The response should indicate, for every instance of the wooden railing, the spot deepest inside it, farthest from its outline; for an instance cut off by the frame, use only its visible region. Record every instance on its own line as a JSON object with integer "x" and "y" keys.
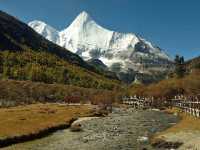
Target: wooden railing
{"x": 191, "y": 107}
{"x": 188, "y": 105}
{"x": 138, "y": 102}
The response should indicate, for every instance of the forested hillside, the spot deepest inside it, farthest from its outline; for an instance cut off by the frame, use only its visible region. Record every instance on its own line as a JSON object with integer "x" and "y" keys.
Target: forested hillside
{"x": 48, "y": 68}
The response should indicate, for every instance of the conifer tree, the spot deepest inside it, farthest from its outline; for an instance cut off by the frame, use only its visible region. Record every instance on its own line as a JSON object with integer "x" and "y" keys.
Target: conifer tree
{"x": 1, "y": 64}
{"x": 179, "y": 66}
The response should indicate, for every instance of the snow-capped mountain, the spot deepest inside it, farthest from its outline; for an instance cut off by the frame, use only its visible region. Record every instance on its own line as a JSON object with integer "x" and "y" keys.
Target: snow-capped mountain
{"x": 119, "y": 51}
{"x": 47, "y": 31}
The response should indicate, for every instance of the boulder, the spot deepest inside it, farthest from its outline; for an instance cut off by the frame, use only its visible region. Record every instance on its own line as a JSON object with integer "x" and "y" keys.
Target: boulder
{"x": 76, "y": 127}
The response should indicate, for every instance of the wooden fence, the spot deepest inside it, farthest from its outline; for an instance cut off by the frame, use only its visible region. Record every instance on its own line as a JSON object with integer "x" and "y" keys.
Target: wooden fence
{"x": 190, "y": 105}
{"x": 138, "y": 102}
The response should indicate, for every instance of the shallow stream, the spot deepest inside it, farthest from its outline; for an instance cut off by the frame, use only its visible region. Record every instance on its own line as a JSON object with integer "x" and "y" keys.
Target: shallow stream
{"x": 124, "y": 129}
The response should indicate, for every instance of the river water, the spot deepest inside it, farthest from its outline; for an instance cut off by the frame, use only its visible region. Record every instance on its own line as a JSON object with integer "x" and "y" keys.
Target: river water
{"x": 124, "y": 129}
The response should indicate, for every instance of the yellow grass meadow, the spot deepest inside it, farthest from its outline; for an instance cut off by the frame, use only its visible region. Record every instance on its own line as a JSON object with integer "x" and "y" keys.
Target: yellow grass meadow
{"x": 31, "y": 119}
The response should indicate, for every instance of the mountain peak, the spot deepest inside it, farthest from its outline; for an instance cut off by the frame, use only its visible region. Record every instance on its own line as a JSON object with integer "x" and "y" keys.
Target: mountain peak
{"x": 124, "y": 50}
{"x": 82, "y": 18}
{"x": 84, "y": 14}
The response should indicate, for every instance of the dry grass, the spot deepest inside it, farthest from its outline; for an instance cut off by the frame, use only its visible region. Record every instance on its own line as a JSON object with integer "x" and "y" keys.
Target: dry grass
{"x": 32, "y": 119}
{"x": 187, "y": 123}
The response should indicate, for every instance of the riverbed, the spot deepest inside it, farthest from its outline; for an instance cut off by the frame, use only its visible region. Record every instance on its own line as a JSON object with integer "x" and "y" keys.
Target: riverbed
{"x": 124, "y": 129}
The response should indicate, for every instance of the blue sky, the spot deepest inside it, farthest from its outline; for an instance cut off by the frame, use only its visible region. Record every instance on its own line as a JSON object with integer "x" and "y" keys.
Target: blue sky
{"x": 173, "y": 25}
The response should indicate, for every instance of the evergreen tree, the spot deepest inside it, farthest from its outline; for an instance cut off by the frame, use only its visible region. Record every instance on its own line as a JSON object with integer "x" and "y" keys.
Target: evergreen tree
{"x": 36, "y": 73}
{"x": 1, "y": 64}
{"x": 65, "y": 76}
{"x": 180, "y": 66}
{"x": 49, "y": 75}
{"x": 6, "y": 72}
{"x": 21, "y": 74}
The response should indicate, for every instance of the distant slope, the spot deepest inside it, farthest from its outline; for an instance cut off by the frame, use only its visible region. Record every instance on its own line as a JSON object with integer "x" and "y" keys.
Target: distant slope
{"x": 16, "y": 35}
{"x": 189, "y": 85}
{"x": 193, "y": 63}
{"x": 99, "y": 65}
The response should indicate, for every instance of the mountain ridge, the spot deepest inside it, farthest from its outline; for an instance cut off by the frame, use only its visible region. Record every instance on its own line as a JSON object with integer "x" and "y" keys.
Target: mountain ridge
{"x": 88, "y": 39}
{"x": 124, "y": 50}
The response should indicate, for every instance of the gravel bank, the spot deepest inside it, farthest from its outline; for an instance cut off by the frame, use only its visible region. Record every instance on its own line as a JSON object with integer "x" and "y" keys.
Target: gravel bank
{"x": 124, "y": 129}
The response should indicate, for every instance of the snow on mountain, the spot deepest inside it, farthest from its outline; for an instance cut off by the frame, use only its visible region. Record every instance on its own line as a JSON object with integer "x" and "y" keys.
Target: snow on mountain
{"x": 45, "y": 30}
{"x": 119, "y": 51}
